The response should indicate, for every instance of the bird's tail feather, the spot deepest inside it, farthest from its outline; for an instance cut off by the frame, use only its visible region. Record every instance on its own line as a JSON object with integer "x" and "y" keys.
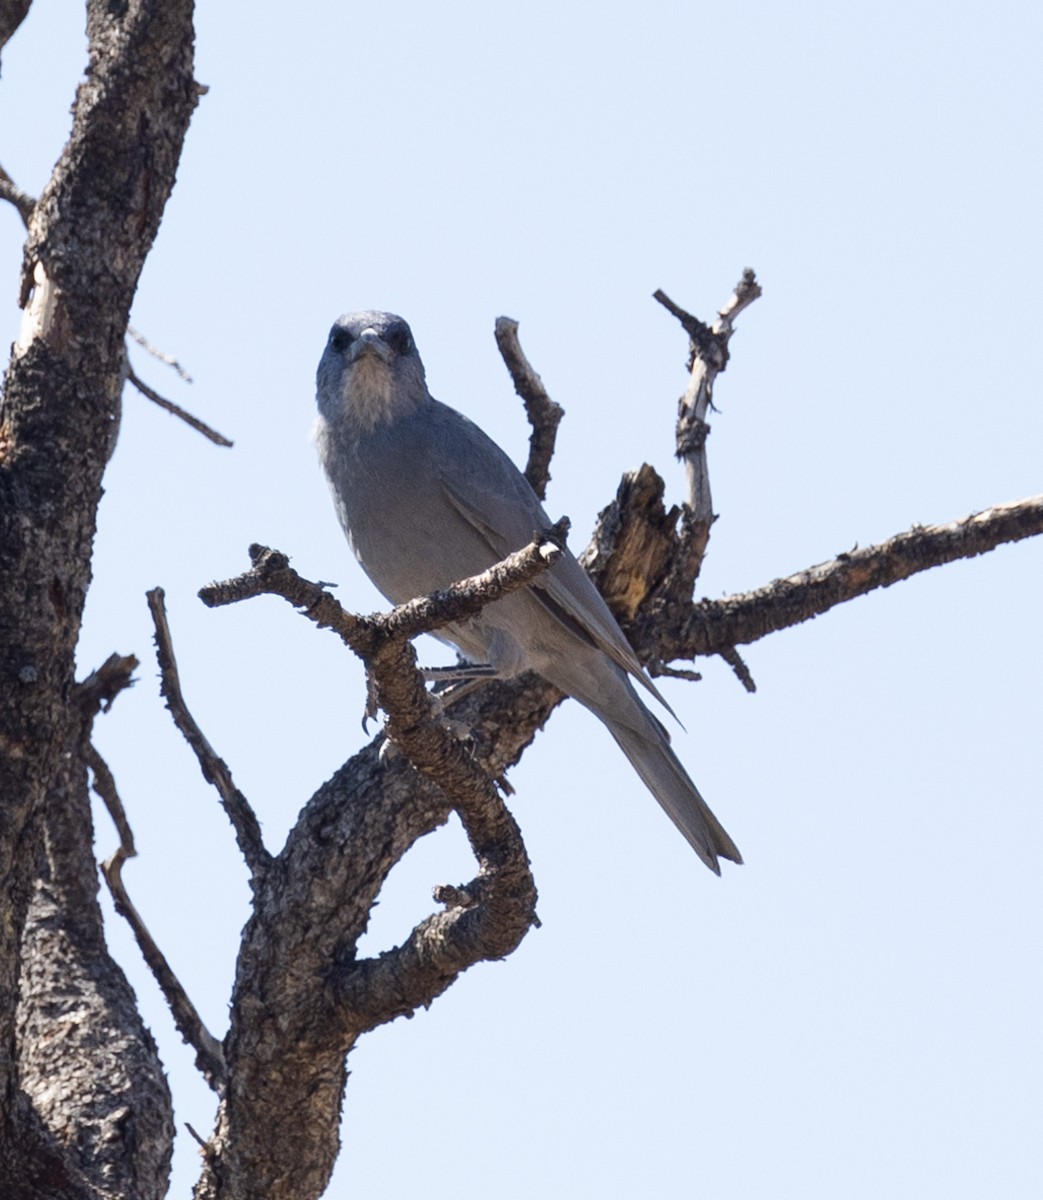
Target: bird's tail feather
{"x": 663, "y": 775}
{"x": 647, "y": 745}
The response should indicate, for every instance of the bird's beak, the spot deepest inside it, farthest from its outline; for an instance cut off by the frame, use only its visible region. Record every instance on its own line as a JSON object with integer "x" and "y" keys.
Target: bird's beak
{"x": 370, "y": 342}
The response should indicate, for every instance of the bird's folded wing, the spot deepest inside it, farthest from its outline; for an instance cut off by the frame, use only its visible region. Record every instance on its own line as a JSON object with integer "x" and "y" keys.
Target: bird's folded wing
{"x": 506, "y": 519}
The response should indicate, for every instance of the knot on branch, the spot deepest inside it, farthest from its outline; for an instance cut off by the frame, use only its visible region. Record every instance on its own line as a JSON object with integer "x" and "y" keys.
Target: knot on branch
{"x": 102, "y": 686}
{"x": 634, "y": 543}
{"x": 691, "y": 436}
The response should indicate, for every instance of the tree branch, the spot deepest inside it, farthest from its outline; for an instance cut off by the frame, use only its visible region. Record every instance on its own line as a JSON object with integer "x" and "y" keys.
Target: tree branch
{"x": 11, "y": 192}
{"x": 215, "y": 770}
{"x": 200, "y": 426}
{"x": 314, "y": 905}
{"x": 209, "y": 1057}
{"x": 714, "y": 626}
{"x": 271, "y": 574}
{"x": 543, "y": 413}
{"x": 708, "y": 357}
{"x": 167, "y": 359}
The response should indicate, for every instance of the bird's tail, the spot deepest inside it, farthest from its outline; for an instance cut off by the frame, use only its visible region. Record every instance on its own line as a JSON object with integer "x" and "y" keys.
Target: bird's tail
{"x": 647, "y": 745}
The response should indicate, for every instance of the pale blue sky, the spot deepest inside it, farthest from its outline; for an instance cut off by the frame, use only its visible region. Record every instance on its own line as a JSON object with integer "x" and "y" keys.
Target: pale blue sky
{"x": 855, "y": 1012}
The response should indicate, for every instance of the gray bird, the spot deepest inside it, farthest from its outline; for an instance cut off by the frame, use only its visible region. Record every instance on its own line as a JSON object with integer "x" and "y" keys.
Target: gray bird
{"x": 426, "y": 499}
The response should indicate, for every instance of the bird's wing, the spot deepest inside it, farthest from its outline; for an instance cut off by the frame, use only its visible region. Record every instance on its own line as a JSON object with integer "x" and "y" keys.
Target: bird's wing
{"x": 492, "y": 495}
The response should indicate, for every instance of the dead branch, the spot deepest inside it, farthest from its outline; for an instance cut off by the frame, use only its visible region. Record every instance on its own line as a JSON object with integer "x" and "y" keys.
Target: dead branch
{"x": 167, "y": 359}
{"x": 543, "y": 413}
{"x": 10, "y": 191}
{"x": 500, "y": 901}
{"x": 209, "y": 1056}
{"x": 712, "y": 626}
{"x": 102, "y": 686}
{"x": 742, "y": 672}
{"x": 215, "y": 770}
{"x": 708, "y": 357}
{"x": 313, "y": 906}
{"x": 272, "y": 574}
{"x": 201, "y": 426}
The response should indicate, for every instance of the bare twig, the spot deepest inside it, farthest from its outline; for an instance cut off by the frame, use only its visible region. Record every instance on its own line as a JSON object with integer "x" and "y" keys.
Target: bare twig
{"x": 713, "y": 626}
{"x": 105, "y": 787}
{"x": 215, "y": 770}
{"x": 708, "y": 357}
{"x": 206, "y": 1149}
{"x": 272, "y": 574}
{"x": 663, "y": 670}
{"x": 22, "y": 201}
{"x": 543, "y": 413}
{"x": 209, "y": 1055}
{"x": 167, "y": 359}
{"x": 218, "y": 438}
{"x": 742, "y": 672}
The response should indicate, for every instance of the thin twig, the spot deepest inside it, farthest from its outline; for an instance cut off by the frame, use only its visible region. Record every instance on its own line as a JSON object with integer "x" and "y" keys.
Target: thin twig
{"x": 167, "y": 359}
{"x": 10, "y": 191}
{"x": 218, "y": 438}
{"x": 699, "y": 332}
{"x": 708, "y": 357}
{"x": 209, "y": 1055}
{"x": 544, "y": 413}
{"x": 664, "y": 670}
{"x": 105, "y": 787}
{"x": 215, "y": 770}
{"x": 207, "y": 1149}
{"x": 742, "y": 672}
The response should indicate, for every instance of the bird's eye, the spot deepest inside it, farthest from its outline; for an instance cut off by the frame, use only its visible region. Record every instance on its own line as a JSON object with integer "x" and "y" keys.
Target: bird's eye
{"x": 340, "y": 339}
{"x": 400, "y": 341}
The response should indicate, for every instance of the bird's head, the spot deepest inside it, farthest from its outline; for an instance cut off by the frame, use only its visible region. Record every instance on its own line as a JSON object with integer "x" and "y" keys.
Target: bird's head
{"x": 370, "y": 371}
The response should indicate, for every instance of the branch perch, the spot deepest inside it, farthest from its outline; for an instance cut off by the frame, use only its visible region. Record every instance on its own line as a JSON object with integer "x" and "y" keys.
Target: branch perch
{"x": 487, "y": 917}
{"x": 272, "y": 574}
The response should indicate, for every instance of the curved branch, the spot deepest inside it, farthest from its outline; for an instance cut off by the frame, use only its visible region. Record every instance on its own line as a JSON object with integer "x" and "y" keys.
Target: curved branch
{"x": 299, "y": 949}
{"x": 543, "y": 413}
{"x": 271, "y": 574}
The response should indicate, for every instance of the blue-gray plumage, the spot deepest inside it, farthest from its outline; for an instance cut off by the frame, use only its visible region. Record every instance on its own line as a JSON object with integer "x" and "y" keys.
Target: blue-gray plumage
{"x": 426, "y": 499}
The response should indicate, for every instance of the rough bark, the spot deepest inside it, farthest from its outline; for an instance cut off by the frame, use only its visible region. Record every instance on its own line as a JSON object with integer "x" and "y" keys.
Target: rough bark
{"x": 86, "y": 1110}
